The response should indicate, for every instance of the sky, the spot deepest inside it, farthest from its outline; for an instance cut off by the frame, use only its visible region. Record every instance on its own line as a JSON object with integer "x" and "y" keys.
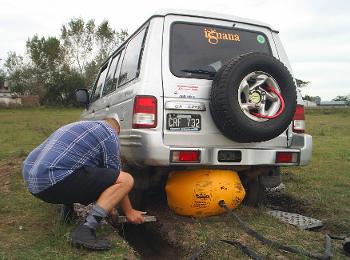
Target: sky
{"x": 314, "y": 33}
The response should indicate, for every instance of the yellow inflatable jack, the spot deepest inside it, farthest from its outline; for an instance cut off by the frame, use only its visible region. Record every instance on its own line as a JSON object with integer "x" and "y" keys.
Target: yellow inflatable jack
{"x": 197, "y": 192}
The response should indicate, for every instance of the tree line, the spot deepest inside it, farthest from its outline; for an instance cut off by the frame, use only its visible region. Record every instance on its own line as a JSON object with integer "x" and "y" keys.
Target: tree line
{"x": 54, "y": 67}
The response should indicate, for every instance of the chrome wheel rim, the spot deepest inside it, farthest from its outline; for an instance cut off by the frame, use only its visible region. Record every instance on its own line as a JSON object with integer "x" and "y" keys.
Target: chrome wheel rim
{"x": 253, "y": 97}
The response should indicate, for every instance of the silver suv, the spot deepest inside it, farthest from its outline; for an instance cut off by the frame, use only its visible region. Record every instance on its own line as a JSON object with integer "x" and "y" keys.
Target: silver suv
{"x": 202, "y": 90}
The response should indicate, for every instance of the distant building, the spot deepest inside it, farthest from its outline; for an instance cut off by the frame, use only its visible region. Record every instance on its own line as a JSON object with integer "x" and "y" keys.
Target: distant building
{"x": 333, "y": 103}
{"x": 319, "y": 102}
{"x": 5, "y": 92}
{"x": 308, "y": 103}
{"x": 10, "y": 99}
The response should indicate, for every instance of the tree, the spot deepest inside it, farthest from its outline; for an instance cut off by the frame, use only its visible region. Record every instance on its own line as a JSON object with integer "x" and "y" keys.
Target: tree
{"x": 91, "y": 71}
{"x": 46, "y": 54}
{"x": 309, "y": 98}
{"x": 301, "y": 83}
{"x": 343, "y": 98}
{"x": 54, "y": 67}
{"x": 13, "y": 62}
{"x": 78, "y": 42}
{"x": 46, "y": 60}
{"x": 87, "y": 45}
{"x": 2, "y": 77}
{"x": 20, "y": 75}
{"x": 61, "y": 90}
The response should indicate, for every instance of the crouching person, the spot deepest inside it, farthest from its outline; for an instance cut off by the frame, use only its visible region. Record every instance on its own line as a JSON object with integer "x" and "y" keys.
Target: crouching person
{"x": 80, "y": 163}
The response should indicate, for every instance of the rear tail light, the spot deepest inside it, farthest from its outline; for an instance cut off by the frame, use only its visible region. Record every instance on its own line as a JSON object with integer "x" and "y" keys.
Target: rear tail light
{"x": 185, "y": 156}
{"x": 299, "y": 120}
{"x": 286, "y": 157}
{"x": 145, "y": 112}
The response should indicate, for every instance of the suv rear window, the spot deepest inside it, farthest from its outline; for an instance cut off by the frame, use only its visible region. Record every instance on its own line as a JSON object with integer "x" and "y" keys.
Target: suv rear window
{"x": 199, "y": 51}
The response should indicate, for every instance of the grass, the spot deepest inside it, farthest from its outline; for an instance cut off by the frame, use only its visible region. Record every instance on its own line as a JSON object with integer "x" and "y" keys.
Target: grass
{"x": 325, "y": 182}
{"x": 22, "y": 129}
{"x": 320, "y": 190}
{"x": 29, "y": 228}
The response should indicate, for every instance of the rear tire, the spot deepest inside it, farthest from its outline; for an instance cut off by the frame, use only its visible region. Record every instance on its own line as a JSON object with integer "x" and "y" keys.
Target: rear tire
{"x": 255, "y": 193}
{"x": 137, "y": 193}
{"x": 240, "y": 92}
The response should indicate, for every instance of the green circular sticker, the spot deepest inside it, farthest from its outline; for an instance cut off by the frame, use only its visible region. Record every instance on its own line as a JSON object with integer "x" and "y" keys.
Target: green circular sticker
{"x": 260, "y": 39}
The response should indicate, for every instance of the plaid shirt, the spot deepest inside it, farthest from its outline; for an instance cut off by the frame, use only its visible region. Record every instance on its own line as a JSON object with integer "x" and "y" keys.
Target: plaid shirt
{"x": 84, "y": 143}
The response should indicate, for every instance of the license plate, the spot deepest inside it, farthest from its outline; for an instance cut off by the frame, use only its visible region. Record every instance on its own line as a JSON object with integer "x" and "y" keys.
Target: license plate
{"x": 183, "y": 122}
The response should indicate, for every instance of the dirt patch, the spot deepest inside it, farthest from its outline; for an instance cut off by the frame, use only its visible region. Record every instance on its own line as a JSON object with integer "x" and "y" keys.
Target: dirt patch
{"x": 144, "y": 239}
{"x": 148, "y": 243}
{"x": 6, "y": 170}
{"x": 178, "y": 237}
{"x": 286, "y": 202}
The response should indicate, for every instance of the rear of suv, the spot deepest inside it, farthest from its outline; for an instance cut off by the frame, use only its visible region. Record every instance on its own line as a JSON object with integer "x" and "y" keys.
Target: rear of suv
{"x": 202, "y": 90}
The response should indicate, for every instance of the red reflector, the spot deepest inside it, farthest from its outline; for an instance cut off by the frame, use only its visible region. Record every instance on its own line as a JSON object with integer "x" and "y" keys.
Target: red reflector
{"x": 186, "y": 156}
{"x": 299, "y": 120}
{"x": 286, "y": 157}
{"x": 145, "y": 112}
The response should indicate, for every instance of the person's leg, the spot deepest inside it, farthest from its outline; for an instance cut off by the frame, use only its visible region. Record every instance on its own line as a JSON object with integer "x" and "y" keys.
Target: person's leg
{"x": 109, "y": 199}
{"x": 114, "y": 194}
{"x": 85, "y": 235}
{"x": 87, "y": 185}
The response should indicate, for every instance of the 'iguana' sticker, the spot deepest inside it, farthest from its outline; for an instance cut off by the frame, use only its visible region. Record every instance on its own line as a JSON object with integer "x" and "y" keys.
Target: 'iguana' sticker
{"x": 213, "y": 36}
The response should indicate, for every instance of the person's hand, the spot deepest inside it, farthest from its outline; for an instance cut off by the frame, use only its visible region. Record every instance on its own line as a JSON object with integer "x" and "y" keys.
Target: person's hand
{"x": 135, "y": 216}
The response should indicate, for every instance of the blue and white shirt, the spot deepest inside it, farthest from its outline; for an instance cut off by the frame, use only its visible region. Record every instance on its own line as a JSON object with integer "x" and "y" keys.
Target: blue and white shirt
{"x": 84, "y": 143}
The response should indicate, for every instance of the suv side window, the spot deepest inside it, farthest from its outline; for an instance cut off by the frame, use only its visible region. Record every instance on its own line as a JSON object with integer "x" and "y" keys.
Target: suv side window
{"x": 110, "y": 80}
{"x": 99, "y": 83}
{"x": 132, "y": 58}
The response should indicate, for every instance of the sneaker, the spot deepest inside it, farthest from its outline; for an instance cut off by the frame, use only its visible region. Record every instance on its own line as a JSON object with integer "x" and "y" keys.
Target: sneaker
{"x": 67, "y": 214}
{"x": 85, "y": 237}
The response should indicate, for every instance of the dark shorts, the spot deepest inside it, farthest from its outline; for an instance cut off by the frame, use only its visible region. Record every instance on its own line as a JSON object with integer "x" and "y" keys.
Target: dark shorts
{"x": 83, "y": 186}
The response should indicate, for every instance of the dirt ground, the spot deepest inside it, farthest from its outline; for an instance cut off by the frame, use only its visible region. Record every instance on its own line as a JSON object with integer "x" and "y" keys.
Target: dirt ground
{"x": 6, "y": 169}
{"x": 178, "y": 237}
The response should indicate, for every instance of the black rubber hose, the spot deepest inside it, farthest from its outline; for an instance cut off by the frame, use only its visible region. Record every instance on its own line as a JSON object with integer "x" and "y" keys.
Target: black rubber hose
{"x": 251, "y": 253}
{"x": 346, "y": 246}
{"x": 272, "y": 243}
{"x": 327, "y": 247}
{"x": 203, "y": 249}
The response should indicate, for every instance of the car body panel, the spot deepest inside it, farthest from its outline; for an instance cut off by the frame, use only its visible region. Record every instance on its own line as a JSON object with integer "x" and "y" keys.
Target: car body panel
{"x": 152, "y": 147}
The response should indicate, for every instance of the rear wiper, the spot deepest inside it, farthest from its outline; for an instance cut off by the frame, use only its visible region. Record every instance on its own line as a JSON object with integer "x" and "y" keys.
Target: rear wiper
{"x": 200, "y": 71}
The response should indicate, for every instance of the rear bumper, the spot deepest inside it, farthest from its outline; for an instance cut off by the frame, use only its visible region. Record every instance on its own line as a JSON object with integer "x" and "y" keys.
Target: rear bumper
{"x": 147, "y": 148}
{"x": 304, "y": 144}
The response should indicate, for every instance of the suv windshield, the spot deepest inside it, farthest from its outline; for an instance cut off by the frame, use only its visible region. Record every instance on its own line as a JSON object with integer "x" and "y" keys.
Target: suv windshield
{"x": 199, "y": 51}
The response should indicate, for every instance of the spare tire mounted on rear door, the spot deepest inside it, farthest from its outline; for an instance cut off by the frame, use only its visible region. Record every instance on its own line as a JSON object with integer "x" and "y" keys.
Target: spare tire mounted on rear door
{"x": 253, "y": 98}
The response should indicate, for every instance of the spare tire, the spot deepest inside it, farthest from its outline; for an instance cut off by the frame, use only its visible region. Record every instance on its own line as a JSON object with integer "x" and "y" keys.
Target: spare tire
{"x": 253, "y": 98}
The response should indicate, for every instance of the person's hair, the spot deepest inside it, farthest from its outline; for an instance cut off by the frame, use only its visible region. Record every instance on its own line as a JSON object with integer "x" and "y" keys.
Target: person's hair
{"x": 112, "y": 122}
